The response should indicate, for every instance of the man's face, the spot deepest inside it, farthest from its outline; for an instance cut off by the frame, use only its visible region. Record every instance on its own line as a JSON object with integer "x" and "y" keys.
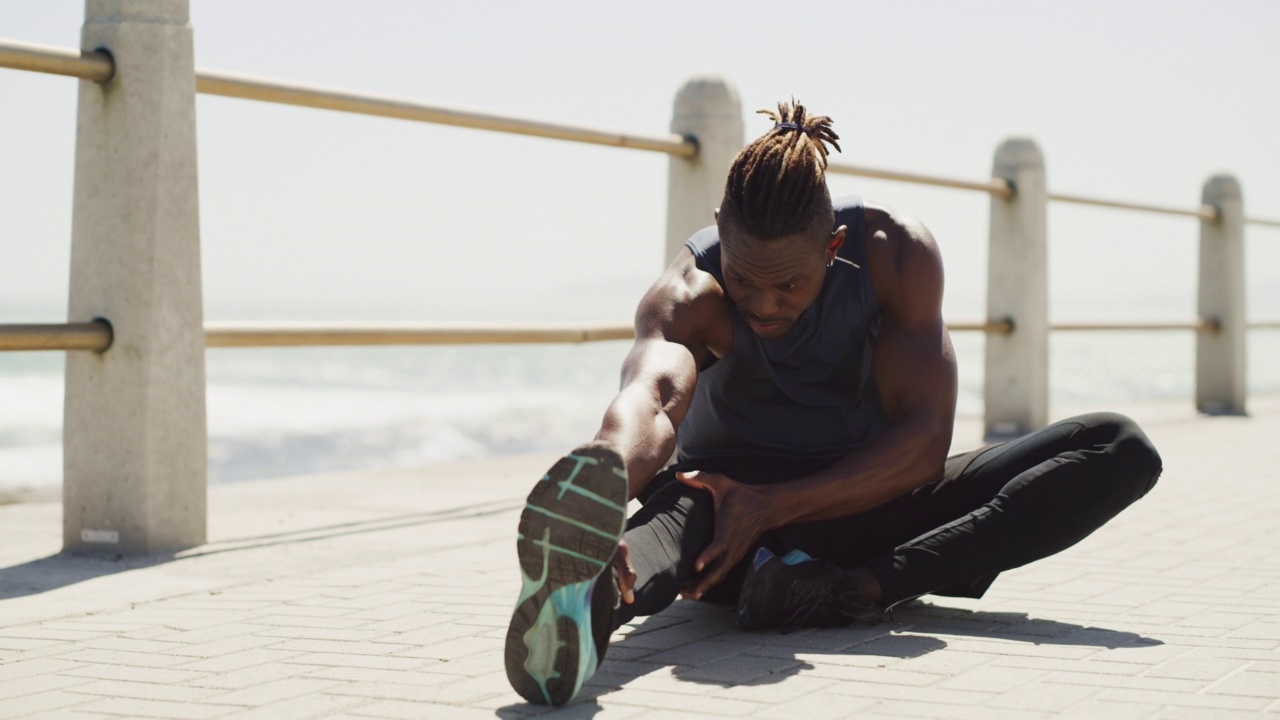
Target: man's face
{"x": 772, "y": 282}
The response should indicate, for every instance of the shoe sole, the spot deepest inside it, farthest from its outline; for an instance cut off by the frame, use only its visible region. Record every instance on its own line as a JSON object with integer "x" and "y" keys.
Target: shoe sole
{"x": 569, "y": 532}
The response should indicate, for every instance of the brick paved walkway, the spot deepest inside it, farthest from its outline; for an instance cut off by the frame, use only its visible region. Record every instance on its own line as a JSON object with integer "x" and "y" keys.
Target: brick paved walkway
{"x": 387, "y": 595}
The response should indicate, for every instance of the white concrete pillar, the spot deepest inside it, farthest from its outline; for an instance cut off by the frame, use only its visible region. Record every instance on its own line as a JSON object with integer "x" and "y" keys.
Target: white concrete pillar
{"x": 708, "y": 110}
{"x": 1017, "y": 365}
{"x": 135, "y": 436}
{"x": 1220, "y": 357}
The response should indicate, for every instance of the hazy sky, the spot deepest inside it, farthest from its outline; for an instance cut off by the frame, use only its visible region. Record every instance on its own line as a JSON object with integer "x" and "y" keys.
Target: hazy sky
{"x": 310, "y": 214}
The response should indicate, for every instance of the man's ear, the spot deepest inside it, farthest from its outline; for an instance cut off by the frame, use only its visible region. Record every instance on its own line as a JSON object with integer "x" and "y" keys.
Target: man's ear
{"x": 836, "y": 241}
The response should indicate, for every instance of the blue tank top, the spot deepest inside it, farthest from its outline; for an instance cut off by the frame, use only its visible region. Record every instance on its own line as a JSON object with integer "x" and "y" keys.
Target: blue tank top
{"x": 807, "y": 394}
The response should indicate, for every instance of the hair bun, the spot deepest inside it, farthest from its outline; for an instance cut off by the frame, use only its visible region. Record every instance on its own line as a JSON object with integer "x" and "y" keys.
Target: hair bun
{"x": 817, "y": 128}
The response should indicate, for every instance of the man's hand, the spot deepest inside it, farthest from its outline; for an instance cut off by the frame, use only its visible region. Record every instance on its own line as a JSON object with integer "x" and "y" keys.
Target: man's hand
{"x": 624, "y": 573}
{"x": 742, "y": 515}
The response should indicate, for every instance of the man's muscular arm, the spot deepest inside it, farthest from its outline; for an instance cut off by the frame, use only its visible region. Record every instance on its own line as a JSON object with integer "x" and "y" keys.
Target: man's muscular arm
{"x": 915, "y": 373}
{"x": 659, "y": 374}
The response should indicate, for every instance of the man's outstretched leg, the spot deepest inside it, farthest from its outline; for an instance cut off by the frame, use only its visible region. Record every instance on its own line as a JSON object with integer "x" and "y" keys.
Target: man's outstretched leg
{"x": 569, "y": 532}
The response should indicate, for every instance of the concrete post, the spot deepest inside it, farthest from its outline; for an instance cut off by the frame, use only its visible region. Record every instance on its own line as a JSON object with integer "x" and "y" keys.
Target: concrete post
{"x": 1017, "y": 365}
{"x": 708, "y": 110}
{"x": 1220, "y": 357}
{"x": 135, "y": 435}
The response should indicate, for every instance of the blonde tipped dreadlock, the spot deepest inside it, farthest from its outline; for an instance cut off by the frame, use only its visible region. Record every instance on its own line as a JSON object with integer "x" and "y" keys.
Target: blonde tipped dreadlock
{"x": 777, "y": 185}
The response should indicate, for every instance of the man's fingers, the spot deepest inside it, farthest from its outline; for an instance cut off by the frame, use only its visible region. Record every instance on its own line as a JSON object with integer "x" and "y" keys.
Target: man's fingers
{"x": 714, "y": 574}
{"x": 625, "y": 573}
{"x": 727, "y": 558}
{"x": 711, "y": 553}
{"x": 693, "y": 479}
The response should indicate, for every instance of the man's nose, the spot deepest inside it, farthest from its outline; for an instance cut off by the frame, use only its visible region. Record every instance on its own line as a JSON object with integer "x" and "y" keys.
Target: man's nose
{"x": 761, "y": 304}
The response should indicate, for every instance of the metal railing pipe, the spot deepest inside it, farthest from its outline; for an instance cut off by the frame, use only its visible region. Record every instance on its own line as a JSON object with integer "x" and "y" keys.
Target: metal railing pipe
{"x": 83, "y": 64}
{"x": 215, "y": 82}
{"x": 94, "y": 336}
{"x": 991, "y": 327}
{"x": 97, "y": 336}
{"x": 242, "y": 335}
{"x": 1204, "y": 212}
{"x": 995, "y": 186}
{"x": 1202, "y": 325}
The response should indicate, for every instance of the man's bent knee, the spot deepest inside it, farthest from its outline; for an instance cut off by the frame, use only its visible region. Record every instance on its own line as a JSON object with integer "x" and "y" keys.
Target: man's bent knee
{"x": 1138, "y": 462}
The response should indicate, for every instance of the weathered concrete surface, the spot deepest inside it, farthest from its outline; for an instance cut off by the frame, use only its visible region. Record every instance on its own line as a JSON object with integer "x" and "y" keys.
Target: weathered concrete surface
{"x": 134, "y": 436}
{"x": 1016, "y": 389}
{"x": 387, "y": 595}
{"x": 1221, "y": 378}
{"x": 706, "y": 108}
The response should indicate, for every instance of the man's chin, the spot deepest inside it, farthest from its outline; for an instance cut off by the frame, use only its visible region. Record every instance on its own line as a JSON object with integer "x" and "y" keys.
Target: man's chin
{"x": 769, "y": 331}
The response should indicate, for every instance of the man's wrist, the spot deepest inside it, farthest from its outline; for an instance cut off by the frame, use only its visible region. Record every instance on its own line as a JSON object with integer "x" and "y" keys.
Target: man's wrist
{"x": 776, "y": 515}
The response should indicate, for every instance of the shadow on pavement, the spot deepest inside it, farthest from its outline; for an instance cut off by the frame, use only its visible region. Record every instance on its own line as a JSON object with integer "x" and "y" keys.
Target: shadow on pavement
{"x": 699, "y": 644}
{"x": 63, "y": 569}
{"x": 56, "y": 571}
{"x": 574, "y": 711}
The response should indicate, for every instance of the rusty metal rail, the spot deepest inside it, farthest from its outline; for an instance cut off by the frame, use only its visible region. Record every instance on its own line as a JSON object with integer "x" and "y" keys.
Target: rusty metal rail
{"x": 97, "y": 66}
{"x": 97, "y": 336}
{"x": 241, "y": 335}
{"x": 93, "y": 336}
{"x": 998, "y": 187}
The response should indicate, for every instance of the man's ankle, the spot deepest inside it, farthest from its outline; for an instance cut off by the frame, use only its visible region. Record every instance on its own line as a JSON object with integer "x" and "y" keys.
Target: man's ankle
{"x": 859, "y": 591}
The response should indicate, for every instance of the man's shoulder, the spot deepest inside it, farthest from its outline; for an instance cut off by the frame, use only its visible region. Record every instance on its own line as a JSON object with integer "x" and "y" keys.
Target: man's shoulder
{"x": 687, "y": 288}
{"x": 901, "y": 252}
{"x": 896, "y": 238}
{"x": 687, "y": 306}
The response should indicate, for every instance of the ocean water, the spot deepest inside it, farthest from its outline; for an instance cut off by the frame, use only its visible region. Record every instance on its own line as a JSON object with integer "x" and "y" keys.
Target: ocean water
{"x": 296, "y": 411}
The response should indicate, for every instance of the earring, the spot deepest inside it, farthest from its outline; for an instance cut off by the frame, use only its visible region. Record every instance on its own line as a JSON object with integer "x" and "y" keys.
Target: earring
{"x": 831, "y": 262}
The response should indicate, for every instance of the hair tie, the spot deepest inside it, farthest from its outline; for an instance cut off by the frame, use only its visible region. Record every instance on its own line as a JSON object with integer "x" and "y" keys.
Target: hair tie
{"x": 793, "y": 126}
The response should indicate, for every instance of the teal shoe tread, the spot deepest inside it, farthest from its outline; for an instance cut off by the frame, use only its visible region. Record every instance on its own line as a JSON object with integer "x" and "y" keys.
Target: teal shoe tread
{"x": 568, "y": 534}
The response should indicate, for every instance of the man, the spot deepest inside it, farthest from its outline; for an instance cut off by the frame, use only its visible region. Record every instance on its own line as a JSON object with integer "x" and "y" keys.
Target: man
{"x": 795, "y": 360}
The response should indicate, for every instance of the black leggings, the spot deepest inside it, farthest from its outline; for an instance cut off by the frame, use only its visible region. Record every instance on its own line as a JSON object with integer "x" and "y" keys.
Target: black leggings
{"x": 992, "y": 510}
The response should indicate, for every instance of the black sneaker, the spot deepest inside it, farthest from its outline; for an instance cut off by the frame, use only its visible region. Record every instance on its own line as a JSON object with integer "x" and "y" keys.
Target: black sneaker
{"x": 796, "y": 591}
{"x": 569, "y": 532}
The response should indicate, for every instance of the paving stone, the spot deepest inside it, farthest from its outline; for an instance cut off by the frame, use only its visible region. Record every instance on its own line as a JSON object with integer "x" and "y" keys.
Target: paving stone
{"x": 418, "y": 711}
{"x": 306, "y": 706}
{"x": 738, "y": 669}
{"x": 1171, "y": 611}
{"x": 689, "y": 704}
{"x": 910, "y": 709}
{"x": 235, "y": 660}
{"x": 18, "y": 644}
{"x": 872, "y": 674}
{"x": 1193, "y": 700}
{"x": 122, "y": 657}
{"x": 14, "y": 671}
{"x": 273, "y": 691}
{"x": 43, "y": 704}
{"x": 1044, "y": 696}
{"x": 1256, "y": 684}
{"x": 1109, "y": 710}
{"x": 945, "y": 696}
{"x": 1196, "y": 668}
{"x": 155, "y": 709}
{"x": 123, "y": 688}
{"x": 818, "y": 706}
{"x": 991, "y": 679}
